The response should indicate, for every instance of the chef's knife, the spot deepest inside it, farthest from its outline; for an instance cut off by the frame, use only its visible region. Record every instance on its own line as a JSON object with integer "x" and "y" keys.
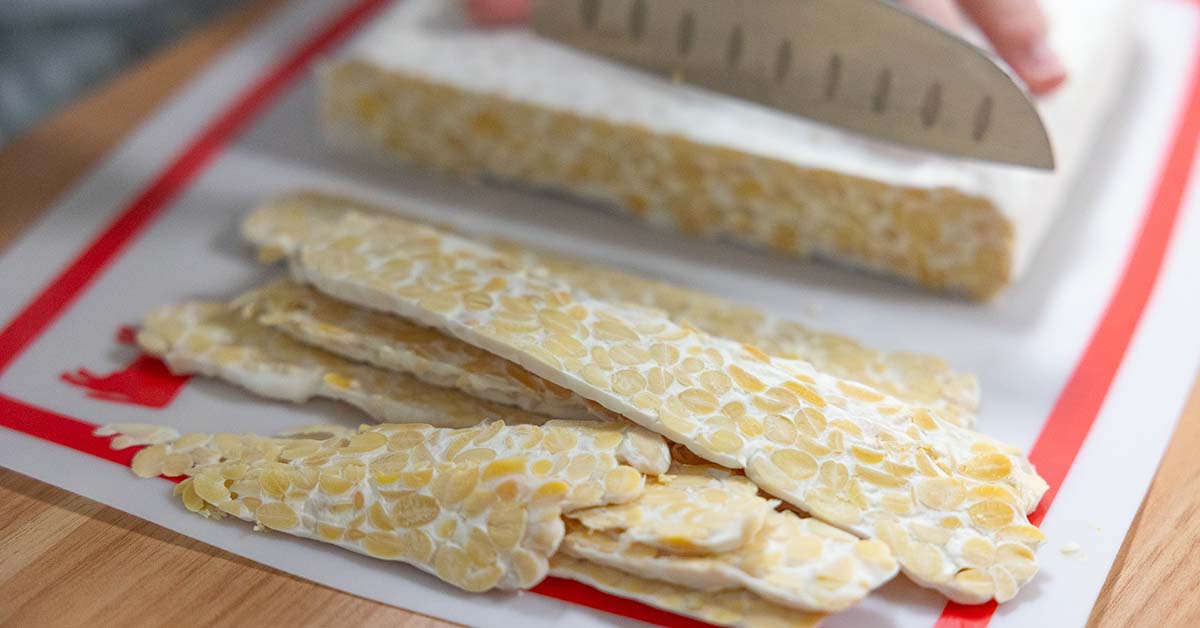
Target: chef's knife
{"x": 861, "y": 65}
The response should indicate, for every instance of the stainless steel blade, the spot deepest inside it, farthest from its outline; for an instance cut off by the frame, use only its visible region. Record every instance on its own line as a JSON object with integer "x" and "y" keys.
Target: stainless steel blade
{"x": 862, "y": 65}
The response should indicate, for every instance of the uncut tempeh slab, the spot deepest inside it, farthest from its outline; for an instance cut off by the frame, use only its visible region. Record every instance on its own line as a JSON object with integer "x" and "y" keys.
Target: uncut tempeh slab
{"x": 213, "y": 339}
{"x": 422, "y": 85}
{"x": 478, "y": 507}
{"x": 399, "y": 345}
{"x": 283, "y": 222}
{"x": 949, "y": 502}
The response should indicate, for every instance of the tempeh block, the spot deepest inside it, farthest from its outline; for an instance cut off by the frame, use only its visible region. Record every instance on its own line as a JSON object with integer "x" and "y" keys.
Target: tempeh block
{"x": 421, "y": 85}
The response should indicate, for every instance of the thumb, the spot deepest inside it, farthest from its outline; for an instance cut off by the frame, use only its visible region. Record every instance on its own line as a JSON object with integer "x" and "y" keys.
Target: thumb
{"x": 1018, "y": 31}
{"x": 498, "y": 12}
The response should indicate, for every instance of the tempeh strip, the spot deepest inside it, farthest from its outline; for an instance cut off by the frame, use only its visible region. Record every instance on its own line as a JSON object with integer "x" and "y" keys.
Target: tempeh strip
{"x": 392, "y": 343}
{"x": 282, "y": 223}
{"x": 796, "y": 562}
{"x": 478, "y": 507}
{"x": 920, "y": 379}
{"x": 213, "y": 340}
{"x": 736, "y": 608}
{"x": 800, "y": 563}
{"x": 847, "y": 454}
{"x": 693, "y": 510}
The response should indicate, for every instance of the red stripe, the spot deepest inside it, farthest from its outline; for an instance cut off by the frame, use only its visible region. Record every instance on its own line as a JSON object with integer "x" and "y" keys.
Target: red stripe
{"x": 1080, "y": 401}
{"x": 54, "y": 299}
{"x": 583, "y": 595}
{"x": 59, "y": 429}
{"x": 1054, "y": 452}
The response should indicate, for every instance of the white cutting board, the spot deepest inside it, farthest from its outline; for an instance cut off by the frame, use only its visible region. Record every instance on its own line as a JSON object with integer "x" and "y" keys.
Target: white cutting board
{"x": 1024, "y": 347}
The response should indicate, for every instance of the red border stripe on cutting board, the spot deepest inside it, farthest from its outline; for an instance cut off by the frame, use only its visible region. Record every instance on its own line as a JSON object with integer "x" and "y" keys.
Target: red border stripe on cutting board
{"x": 1080, "y": 401}
{"x": 1054, "y": 452}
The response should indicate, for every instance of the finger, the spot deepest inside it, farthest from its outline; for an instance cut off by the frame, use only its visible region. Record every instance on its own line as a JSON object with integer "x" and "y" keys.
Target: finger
{"x": 498, "y": 12}
{"x": 942, "y": 12}
{"x": 1018, "y": 31}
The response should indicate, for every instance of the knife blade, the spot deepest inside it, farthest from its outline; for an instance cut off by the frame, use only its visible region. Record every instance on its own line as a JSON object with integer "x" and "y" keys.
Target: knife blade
{"x": 861, "y": 65}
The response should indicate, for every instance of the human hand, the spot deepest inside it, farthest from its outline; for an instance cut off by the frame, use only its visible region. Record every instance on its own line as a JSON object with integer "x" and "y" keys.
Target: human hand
{"x": 1016, "y": 28}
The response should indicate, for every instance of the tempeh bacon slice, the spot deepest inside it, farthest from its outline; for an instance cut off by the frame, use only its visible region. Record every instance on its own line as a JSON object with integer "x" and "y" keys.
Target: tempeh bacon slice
{"x": 214, "y": 340}
{"x": 478, "y": 507}
{"x": 392, "y": 343}
{"x": 736, "y": 608}
{"x": 283, "y": 222}
{"x": 950, "y": 503}
{"x": 920, "y": 379}
{"x": 800, "y": 563}
{"x": 692, "y": 510}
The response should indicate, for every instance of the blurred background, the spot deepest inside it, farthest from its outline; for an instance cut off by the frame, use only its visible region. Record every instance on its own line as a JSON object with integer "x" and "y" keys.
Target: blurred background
{"x": 53, "y": 51}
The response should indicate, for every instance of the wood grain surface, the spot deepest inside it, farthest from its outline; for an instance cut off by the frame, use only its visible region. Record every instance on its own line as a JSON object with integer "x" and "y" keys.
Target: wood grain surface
{"x": 68, "y": 561}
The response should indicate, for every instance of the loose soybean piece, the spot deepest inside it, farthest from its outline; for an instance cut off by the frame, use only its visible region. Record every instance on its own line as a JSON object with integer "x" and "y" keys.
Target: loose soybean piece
{"x": 394, "y": 344}
{"x": 737, "y": 608}
{"x": 843, "y": 452}
{"x": 411, "y": 492}
{"x": 282, "y": 223}
{"x": 134, "y": 434}
{"x": 799, "y": 563}
{"x": 691, "y": 511}
{"x": 213, "y": 340}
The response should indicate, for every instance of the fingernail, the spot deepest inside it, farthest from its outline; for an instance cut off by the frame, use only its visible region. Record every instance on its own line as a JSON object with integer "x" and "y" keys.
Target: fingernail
{"x": 1041, "y": 67}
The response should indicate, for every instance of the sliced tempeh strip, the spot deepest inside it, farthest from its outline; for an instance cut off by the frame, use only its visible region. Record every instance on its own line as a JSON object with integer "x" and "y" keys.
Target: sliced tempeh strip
{"x": 849, "y": 455}
{"x": 796, "y": 562}
{"x": 694, "y": 510}
{"x": 921, "y": 379}
{"x": 282, "y": 223}
{"x": 395, "y": 344}
{"x": 214, "y": 340}
{"x": 478, "y": 507}
{"x": 736, "y": 608}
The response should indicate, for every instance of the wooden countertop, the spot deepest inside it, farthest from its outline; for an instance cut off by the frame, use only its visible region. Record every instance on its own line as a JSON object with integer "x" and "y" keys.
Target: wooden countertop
{"x": 69, "y": 561}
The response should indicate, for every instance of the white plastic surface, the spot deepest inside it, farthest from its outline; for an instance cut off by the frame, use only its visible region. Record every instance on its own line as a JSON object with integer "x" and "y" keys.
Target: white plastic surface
{"x": 1023, "y": 347}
